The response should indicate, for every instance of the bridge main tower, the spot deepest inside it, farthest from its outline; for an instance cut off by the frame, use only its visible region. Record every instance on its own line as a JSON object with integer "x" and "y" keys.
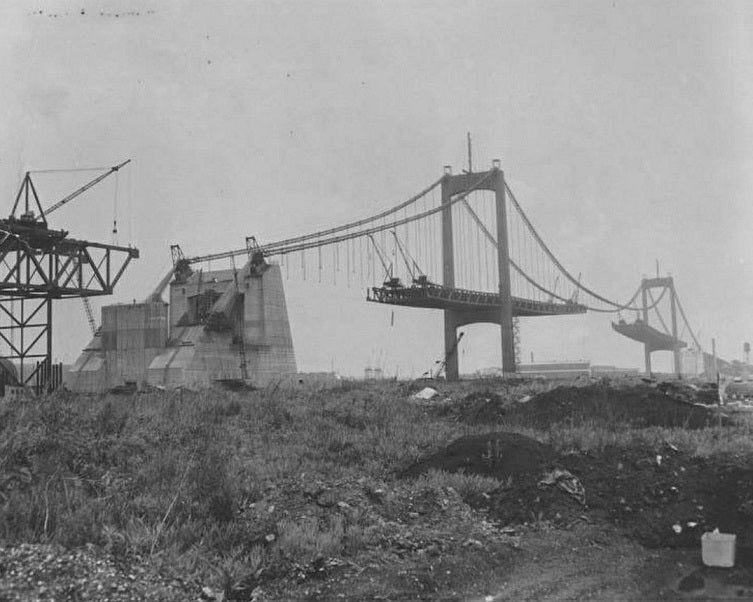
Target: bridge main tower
{"x": 643, "y": 332}
{"x": 452, "y": 185}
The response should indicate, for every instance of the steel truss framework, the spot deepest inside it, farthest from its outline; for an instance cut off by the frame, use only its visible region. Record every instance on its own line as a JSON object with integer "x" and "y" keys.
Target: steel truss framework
{"x": 37, "y": 266}
{"x": 30, "y": 279}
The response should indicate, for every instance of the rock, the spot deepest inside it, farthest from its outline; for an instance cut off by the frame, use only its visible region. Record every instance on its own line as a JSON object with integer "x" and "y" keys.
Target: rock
{"x": 377, "y": 496}
{"x": 426, "y": 393}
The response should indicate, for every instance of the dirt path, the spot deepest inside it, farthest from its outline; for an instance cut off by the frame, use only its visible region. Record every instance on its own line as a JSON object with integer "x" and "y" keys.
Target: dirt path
{"x": 595, "y": 562}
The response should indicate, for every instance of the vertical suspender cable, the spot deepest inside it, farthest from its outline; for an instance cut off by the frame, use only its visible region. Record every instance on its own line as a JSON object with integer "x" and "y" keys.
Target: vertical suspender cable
{"x": 115, "y": 210}
{"x": 478, "y": 258}
{"x": 347, "y": 262}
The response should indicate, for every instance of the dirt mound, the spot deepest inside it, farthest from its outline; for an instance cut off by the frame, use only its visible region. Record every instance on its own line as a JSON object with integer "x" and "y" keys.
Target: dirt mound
{"x": 664, "y": 498}
{"x": 661, "y": 498}
{"x": 637, "y": 406}
{"x": 481, "y": 407}
{"x": 501, "y": 455}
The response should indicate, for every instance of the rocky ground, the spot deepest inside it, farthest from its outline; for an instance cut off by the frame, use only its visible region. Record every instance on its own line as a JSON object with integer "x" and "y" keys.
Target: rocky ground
{"x": 46, "y": 572}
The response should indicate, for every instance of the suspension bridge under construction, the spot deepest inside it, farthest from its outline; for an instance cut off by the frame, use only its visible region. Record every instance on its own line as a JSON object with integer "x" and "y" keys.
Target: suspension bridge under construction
{"x": 463, "y": 245}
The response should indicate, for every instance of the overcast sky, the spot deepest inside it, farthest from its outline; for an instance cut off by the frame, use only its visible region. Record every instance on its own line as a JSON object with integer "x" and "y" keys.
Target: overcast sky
{"x": 625, "y": 127}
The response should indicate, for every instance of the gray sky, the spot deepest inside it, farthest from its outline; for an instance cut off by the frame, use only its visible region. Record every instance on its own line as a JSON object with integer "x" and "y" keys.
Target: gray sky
{"x": 624, "y": 127}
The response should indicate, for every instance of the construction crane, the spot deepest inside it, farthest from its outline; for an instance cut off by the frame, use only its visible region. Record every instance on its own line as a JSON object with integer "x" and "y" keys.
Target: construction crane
{"x": 201, "y": 311}
{"x": 156, "y": 294}
{"x": 32, "y": 225}
{"x": 87, "y": 304}
{"x": 574, "y": 296}
{"x": 40, "y": 265}
{"x": 241, "y": 338}
{"x": 220, "y": 314}
{"x": 182, "y": 269}
{"x": 412, "y": 269}
{"x": 390, "y": 280}
{"x": 181, "y": 266}
{"x": 84, "y": 188}
{"x": 89, "y": 315}
{"x": 452, "y": 351}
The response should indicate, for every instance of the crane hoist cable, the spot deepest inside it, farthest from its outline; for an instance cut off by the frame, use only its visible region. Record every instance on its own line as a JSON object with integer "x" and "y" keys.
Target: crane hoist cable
{"x": 115, "y": 210}
{"x": 414, "y": 270}
{"x": 382, "y": 259}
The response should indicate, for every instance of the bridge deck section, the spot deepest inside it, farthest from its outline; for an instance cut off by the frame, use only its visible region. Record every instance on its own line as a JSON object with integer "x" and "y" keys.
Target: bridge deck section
{"x": 648, "y": 335}
{"x": 434, "y": 296}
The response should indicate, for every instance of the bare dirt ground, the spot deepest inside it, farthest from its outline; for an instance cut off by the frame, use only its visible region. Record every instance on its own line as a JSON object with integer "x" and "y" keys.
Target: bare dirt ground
{"x": 596, "y": 562}
{"x": 635, "y": 534}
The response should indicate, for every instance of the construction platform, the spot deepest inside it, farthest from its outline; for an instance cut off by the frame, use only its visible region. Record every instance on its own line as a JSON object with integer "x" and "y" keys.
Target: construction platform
{"x": 654, "y": 339}
{"x": 434, "y": 296}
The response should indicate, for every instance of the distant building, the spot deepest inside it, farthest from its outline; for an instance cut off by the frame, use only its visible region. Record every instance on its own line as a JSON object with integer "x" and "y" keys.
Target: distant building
{"x": 612, "y": 371}
{"x": 556, "y": 369}
{"x": 375, "y": 373}
{"x": 691, "y": 362}
{"x": 560, "y": 370}
{"x": 313, "y": 378}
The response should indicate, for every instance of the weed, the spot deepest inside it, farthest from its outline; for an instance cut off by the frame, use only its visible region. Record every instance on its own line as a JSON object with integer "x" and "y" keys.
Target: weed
{"x": 308, "y": 539}
{"x": 466, "y": 485}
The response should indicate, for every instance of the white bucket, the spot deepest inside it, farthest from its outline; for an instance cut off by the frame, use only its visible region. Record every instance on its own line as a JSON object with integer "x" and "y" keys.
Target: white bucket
{"x": 718, "y": 549}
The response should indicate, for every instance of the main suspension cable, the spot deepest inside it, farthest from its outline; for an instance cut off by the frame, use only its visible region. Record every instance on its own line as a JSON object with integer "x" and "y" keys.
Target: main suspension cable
{"x": 556, "y": 262}
{"x": 685, "y": 319}
{"x": 361, "y": 222}
{"x": 282, "y": 247}
{"x": 489, "y": 236}
{"x": 563, "y": 299}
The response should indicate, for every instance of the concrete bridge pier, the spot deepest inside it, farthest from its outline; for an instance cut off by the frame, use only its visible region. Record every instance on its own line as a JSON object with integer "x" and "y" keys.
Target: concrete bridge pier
{"x": 452, "y": 322}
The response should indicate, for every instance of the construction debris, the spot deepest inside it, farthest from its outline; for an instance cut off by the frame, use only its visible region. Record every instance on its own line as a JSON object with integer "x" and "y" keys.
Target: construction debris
{"x": 660, "y": 504}
{"x": 426, "y": 393}
{"x": 566, "y": 481}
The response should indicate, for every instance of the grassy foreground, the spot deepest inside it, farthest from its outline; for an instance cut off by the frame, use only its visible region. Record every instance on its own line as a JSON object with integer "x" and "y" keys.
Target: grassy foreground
{"x": 222, "y": 489}
{"x": 275, "y": 493}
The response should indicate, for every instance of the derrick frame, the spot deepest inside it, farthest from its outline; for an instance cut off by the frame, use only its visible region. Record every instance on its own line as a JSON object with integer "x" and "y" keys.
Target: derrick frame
{"x": 31, "y": 278}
